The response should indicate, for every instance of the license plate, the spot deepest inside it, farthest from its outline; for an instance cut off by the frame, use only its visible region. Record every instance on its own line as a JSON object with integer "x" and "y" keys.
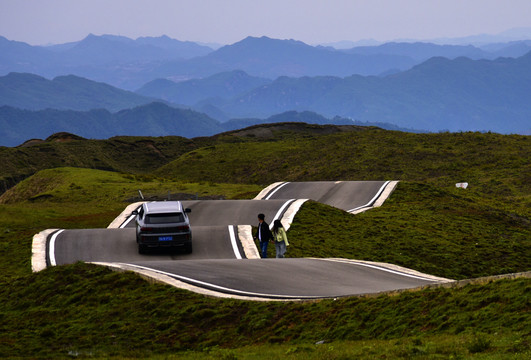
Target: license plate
{"x": 165, "y": 238}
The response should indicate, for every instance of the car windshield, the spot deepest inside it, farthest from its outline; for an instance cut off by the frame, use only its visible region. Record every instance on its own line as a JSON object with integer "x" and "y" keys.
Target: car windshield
{"x": 164, "y": 218}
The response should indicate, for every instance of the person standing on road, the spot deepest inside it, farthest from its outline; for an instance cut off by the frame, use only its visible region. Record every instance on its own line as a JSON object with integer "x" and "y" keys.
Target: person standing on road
{"x": 263, "y": 234}
{"x": 281, "y": 239}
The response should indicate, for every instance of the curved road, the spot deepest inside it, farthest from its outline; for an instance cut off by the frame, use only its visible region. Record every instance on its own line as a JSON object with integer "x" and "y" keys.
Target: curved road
{"x": 219, "y": 245}
{"x": 345, "y": 195}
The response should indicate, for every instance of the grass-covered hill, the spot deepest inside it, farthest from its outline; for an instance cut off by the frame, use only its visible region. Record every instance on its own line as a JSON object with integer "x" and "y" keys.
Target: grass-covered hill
{"x": 496, "y": 166}
{"x": 132, "y": 154}
{"x": 122, "y": 154}
{"x": 427, "y": 224}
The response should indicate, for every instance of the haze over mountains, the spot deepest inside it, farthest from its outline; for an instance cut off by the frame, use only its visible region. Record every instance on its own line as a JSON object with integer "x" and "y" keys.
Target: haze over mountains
{"x": 129, "y": 64}
{"x": 154, "y": 119}
{"x": 410, "y": 85}
{"x": 70, "y": 92}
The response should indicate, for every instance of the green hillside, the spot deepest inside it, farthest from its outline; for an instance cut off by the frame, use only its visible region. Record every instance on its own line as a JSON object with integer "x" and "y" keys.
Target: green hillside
{"x": 132, "y": 154}
{"x": 427, "y": 224}
{"x": 496, "y": 166}
{"x": 122, "y": 154}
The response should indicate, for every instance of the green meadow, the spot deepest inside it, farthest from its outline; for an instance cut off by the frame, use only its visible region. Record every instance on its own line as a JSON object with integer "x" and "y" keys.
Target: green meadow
{"x": 85, "y": 311}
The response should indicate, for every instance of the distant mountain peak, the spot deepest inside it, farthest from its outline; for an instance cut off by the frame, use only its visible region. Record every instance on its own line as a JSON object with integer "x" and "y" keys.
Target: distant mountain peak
{"x": 266, "y": 39}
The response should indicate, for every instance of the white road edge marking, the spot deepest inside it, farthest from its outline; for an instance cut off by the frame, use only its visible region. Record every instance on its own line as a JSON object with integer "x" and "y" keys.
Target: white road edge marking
{"x": 125, "y": 217}
{"x": 279, "y": 212}
{"x": 51, "y": 248}
{"x": 373, "y": 199}
{"x": 38, "y": 250}
{"x": 220, "y": 288}
{"x": 233, "y": 242}
{"x": 266, "y": 190}
{"x": 168, "y": 280}
{"x": 290, "y": 213}
{"x": 277, "y": 189}
{"x": 385, "y": 194}
{"x": 124, "y": 224}
{"x": 387, "y": 267}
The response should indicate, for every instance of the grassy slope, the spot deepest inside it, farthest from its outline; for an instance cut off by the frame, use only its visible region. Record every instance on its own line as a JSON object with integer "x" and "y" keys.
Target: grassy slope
{"x": 74, "y": 305}
{"x": 421, "y": 227}
{"x": 88, "y": 309}
{"x": 496, "y": 166}
{"x": 130, "y": 154}
{"x": 123, "y": 154}
{"x": 428, "y": 224}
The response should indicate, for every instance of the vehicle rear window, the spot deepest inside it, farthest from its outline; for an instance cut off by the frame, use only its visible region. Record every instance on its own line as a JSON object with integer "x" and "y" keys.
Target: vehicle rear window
{"x": 164, "y": 218}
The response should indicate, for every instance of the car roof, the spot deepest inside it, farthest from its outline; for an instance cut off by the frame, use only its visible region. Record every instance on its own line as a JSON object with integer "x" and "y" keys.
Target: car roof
{"x": 157, "y": 207}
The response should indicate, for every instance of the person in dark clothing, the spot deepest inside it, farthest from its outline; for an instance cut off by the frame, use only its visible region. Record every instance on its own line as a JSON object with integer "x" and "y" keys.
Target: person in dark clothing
{"x": 263, "y": 234}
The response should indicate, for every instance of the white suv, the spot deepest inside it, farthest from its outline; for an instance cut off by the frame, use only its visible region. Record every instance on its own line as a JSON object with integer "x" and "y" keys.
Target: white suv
{"x": 163, "y": 224}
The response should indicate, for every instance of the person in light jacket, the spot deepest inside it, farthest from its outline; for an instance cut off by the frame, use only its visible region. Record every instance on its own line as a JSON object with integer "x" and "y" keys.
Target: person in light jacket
{"x": 281, "y": 239}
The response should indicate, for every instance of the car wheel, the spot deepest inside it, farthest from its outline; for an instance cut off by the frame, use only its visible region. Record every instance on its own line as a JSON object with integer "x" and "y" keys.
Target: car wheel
{"x": 141, "y": 249}
{"x": 188, "y": 248}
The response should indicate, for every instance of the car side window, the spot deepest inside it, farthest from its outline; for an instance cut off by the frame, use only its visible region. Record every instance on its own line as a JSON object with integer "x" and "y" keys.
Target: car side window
{"x": 141, "y": 213}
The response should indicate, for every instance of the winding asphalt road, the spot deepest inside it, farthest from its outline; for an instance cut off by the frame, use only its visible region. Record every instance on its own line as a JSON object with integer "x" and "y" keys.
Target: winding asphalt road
{"x": 224, "y": 256}
{"x": 345, "y": 195}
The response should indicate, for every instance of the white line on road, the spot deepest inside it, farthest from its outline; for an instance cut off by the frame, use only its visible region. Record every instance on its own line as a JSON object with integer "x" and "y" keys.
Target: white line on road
{"x": 233, "y": 242}
{"x": 124, "y": 216}
{"x": 382, "y": 268}
{"x": 51, "y": 249}
{"x": 279, "y": 212}
{"x": 124, "y": 224}
{"x": 217, "y": 287}
{"x": 274, "y": 191}
{"x": 266, "y": 190}
{"x": 38, "y": 250}
{"x": 372, "y": 200}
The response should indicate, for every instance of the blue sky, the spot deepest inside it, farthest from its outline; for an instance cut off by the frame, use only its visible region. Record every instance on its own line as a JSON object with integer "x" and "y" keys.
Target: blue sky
{"x": 228, "y": 21}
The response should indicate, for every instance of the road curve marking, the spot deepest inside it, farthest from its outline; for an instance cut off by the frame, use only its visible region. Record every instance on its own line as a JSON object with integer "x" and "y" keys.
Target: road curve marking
{"x": 280, "y": 211}
{"x": 277, "y": 189}
{"x": 38, "y": 250}
{"x": 372, "y": 200}
{"x": 233, "y": 242}
{"x": 219, "y": 288}
{"x": 51, "y": 248}
{"x": 126, "y": 222}
{"x": 168, "y": 280}
{"x": 291, "y": 211}
{"x": 266, "y": 190}
{"x": 385, "y": 194}
{"x": 391, "y": 268}
{"x": 125, "y": 216}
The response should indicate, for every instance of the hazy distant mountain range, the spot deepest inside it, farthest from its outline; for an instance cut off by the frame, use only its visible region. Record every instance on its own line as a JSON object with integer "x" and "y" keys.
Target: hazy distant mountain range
{"x": 225, "y": 85}
{"x": 409, "y": 85}
{"x": 116, "y": 60}
{"x": 155, "y": 119}
{"x": 439, "y": 94}
{"x": 129, "y": 64}
{"x": 33, "y": 92}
